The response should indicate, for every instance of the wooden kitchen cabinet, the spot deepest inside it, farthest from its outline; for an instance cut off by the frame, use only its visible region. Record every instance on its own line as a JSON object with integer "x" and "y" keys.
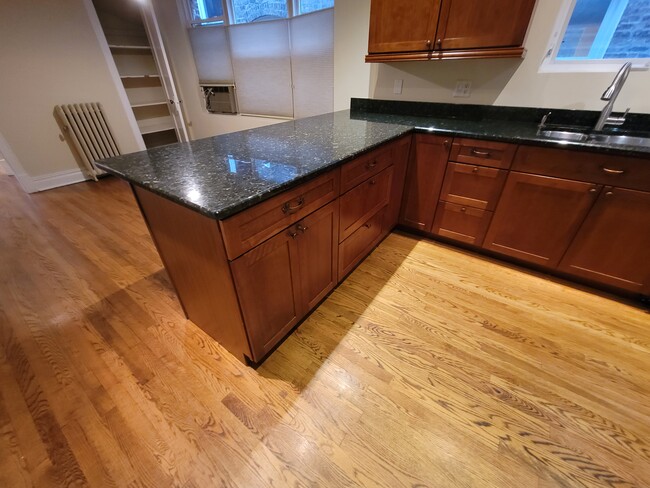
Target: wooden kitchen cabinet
{"x": 402, "y": 30}
{"x": 279, "y": 281}
{"x": 537, "y": 217}
{"x": 613, "y": 243}
{"x": 403, "y": 26}
{"x": 424, "y": 177}
{"x": 472, "y": 24}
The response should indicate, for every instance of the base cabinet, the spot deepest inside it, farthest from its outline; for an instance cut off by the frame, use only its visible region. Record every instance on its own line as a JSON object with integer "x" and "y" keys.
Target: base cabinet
{"x": 613, "y": 243}
{"x": 424, "y": 177}
{"x": 537, "y": 217}
{"x": 279, "y": 281}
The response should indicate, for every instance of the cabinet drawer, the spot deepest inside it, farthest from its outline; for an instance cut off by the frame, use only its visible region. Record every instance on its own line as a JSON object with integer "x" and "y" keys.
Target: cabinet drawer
{"x": 249, "y": 228}
{"x": 475, "y": 186}
{"x": 356, "y": 246}
{"x": 604, "y": 169}
{"x": 363, "y": 201}
{"x": 461, "y": 223}
{"x": 483, "y": 153}
{"x": 363, "y": 167}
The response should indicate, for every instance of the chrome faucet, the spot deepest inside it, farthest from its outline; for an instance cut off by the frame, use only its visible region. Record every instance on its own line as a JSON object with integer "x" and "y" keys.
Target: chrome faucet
{"x": 610, "y": 96}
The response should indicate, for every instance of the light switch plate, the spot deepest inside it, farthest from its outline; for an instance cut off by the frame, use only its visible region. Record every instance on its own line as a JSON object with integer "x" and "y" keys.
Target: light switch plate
{"x": 397, "y": 87}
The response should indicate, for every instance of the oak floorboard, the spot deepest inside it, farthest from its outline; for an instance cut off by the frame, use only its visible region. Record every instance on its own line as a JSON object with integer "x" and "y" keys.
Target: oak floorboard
{"x": 428, "y": 366}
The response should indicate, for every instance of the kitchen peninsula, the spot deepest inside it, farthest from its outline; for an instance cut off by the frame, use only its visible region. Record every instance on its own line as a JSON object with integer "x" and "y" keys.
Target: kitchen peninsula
{"x": 255, "y": 228}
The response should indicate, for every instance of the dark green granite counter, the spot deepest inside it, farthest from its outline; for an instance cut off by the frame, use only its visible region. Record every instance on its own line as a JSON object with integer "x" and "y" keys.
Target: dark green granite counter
{"x": 222, "y": 175}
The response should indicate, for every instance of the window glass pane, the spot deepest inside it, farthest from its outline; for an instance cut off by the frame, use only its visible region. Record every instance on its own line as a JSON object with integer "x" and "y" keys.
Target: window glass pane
{"x": 206, "y": 9}
{"x": 605, "y": 29}
{"x": 245, "y": 11}
{"x": 306, "y": 6}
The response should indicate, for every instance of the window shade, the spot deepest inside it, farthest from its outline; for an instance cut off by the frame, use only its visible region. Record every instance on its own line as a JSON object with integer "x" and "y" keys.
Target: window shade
{"x": 312, "y": 63}
{"x": 262, "y": 67}
{"x": 212, "y": 55}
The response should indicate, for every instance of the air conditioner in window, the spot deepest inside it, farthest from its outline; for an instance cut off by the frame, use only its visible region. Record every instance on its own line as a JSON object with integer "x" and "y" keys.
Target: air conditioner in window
{"x": 220, "y": 99}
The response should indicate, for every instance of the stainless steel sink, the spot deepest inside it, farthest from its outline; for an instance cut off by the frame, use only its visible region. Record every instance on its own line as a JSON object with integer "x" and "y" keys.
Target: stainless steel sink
{"x": 565, "y": 135}
{"x": 621, "y": 139}
{"x": 614, "y": 139}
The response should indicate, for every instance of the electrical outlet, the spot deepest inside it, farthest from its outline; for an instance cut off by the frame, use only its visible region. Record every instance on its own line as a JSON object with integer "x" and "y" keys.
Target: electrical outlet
{"x": 397, "y": 87}
{"x": 463, "y": 89}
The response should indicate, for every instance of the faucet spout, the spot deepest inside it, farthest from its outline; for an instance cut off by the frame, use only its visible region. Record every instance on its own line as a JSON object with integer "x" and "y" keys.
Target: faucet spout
{"x": 610, "y": 95}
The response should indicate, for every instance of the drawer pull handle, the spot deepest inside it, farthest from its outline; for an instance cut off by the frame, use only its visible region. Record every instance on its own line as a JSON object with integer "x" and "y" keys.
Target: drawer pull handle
{"x": 289, "y": 209}
{"x": 593, "y": 190}
{"x": 475, "y": 169}
{"x": 609, "y": 193}
{"x": 613, "y": 171}
{"x": 371, "y": 164}
{"x": 373, "y": 182}
{"x": 367, "y": 226}
{"x": 483, "y": 154}
{"x": 302, "y": 228}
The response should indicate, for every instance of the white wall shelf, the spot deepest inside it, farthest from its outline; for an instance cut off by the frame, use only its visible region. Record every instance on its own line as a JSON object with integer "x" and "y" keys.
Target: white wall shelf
{"x": 158, "y": 124}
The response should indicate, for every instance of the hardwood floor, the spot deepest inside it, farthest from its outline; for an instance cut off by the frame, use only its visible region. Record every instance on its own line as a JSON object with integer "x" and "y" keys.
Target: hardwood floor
{"x": 426, "y": 367}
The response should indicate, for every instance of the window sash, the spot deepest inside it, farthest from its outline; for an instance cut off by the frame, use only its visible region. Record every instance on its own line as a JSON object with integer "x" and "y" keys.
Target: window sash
{"x": 552, "y": 64}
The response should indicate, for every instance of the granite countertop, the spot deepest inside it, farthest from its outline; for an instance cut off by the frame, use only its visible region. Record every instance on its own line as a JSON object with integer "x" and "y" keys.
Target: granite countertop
{"x": 222, "y": 175}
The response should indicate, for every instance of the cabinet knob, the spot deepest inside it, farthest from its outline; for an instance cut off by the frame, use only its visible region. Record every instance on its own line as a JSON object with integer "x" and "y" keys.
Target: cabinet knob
{"x": 293, "y": 233}
{"x": 609, "y": 193}
{"x": 371, "y": 164}
{"x": 367, "y": 226}
{"x": 463, "y": 209}
{"x": 372, "y": 182}
{"x": 475, "y": 169}
{"x": 429, "y": 43}
{"x": 302, "y": 228}
{"x": 446, "y": 143}
{"x": 593, "y": 190}
{"x": 439, "y": 43}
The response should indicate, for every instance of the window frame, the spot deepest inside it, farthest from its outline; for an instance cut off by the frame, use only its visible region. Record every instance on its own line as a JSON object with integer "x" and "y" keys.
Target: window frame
{"x": 293, "y": 10}
{"x": 550, "y": 63}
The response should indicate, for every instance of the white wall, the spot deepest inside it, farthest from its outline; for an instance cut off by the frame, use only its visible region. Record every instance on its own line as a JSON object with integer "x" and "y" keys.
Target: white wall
{"x": 351, "y": 73}
{"x": 50, "y": 55}
{"x": 511, "y": 82}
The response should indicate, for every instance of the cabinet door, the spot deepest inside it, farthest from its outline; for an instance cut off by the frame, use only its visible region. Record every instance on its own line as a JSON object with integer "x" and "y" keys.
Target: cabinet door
{"x": 537, "y": 216}
{"x": 612, "y": 245}
{"x": 473, "y": 186}
{"x": 472, "y": 24}
{"x": 318, "y": 254}
{"x": 267, "y": 282}
{"x": 424, "y": 178}
{"x": 402, "y": 26}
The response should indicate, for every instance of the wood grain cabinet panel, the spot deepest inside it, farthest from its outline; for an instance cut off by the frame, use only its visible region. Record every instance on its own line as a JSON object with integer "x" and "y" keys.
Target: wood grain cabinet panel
{"x": 402, "y": 26}
{"x": 318, "y": 254}
{"x": 360, "y": 243}
{"x": 474, "y": 24}
{"x": 613, "y": 244}
{"x": 537, "y": 217}
{"x": 365, "y": 166}
{"x": 363, "y": 201}
{"x": 424, "y": 177}
{"x": 402, "y": 30}
{"x": 281, "y": 280}
{"x": 461, "y": 223}
{"x": 483, "y": 153}
{"x": 473, "y": 186}
{"x": 245, "y": 230}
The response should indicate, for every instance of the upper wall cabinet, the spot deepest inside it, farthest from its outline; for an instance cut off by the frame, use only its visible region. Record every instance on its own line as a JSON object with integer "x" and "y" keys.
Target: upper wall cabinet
{"x": 402, "y": 30}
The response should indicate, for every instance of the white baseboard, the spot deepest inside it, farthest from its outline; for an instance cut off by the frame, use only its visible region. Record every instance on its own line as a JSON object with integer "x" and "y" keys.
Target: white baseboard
{"x": 55, "y": 180}
{"x": 6, "y": 169}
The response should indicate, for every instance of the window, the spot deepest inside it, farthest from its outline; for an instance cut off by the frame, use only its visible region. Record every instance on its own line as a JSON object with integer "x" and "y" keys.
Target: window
{"x": 211, "y": 12}
{"x": 600, "y": 35}
{"x": 281, "y": 65}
